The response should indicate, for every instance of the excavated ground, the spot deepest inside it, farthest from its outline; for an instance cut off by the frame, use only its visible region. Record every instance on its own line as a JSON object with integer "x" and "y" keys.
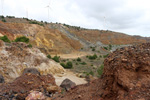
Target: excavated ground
{"x": 126, "y": 77}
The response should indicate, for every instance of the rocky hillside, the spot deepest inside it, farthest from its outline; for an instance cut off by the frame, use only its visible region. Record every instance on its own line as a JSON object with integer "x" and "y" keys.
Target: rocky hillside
{"x": 126, "y": 76}
{"x": 57, "y": 38}
{"x": 15, "y": 57}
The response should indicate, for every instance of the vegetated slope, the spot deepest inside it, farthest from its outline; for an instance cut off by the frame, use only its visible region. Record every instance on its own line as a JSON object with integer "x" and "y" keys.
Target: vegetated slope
{"x": 61, "y": 38}
{"x": 126, "y": 77}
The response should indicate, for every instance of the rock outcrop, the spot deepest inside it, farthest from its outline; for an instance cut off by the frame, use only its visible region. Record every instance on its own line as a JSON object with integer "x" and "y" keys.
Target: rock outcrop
{"x": 26, "y": 84}
{"x": 15, "y": 57}
{"x": 126, "y": 77}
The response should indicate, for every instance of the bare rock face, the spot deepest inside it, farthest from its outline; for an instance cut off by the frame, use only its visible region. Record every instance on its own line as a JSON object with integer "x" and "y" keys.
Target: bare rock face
{"x": 126, "y": 76}
{"x": 15, "y": 57}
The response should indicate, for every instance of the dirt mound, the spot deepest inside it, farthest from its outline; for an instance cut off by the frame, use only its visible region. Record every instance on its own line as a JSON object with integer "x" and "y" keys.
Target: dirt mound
{"x": 126, "y": 77}
{"x": 21, "y": 86}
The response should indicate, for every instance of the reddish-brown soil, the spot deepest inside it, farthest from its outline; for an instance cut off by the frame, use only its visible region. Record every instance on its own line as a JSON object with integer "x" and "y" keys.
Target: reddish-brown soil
{"x": 126, "y": 77}
{"x": 22, "y": 85}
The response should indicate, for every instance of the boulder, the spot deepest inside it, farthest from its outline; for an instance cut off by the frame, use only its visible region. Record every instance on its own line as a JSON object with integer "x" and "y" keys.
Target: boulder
{"x": 31, "y": 70}
{"x": 67, "y": 84}
{"x": 2, "y": 79}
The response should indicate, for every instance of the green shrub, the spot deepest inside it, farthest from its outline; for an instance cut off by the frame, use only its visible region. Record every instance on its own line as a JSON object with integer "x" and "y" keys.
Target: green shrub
{"x": 56, "y": 58}
{"x": 93, "y": 49}
{"x": 63, "y": 65}
{"x": 5, "y": 39}
{"x": 104, "y": 56}
{"x": 22, "y": 39}
{"x": 3, "y": 20}
{"x": 110, "y": 46}
{"x": 83, "y": 63}
{"x": 49, "y": 56}
{"x": 100, "y": 56}
{"x": 106, "y": 48}
{"x": 93, "y": 57}
{"x": 35, "y": 22}
{"x": 91, "y": 73}
{"x": 78, "y": 59}
{"x": 69, "y": 64}
{"x": 10, "y": 16}
{"x": 100, "y": 70}
{"x": 2, "y": 17}
{"x": 30, "y": 46}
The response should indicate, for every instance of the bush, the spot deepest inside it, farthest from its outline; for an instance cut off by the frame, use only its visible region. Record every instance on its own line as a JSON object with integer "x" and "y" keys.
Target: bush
{"x": 93, "y": 49}
{"x": 35, "y": 22}
{"x": 78, "y": 59}
{"x": 110, "y": 46}
{"x": 93, "y": 57}
{"x": 22, "y": 39}
{"x": 83, "y": 63}
{"x": 10, "y": 16}
{"x": 2, "y": 17}
{"x": 105, "y": 55}
{"x": 3, "y": 20}
{"x": 49, "y": 56}
{"x": 68, "y": 65}
{"x": 56, "y": 58}
{"x": 30, "y": 46}
{"x": 5, "y": 39}
{"x": 106, "y": 48}
{"x": 91, "y": 73}
{"x": 100, "y": 70}
{"x": 63, "y": 65}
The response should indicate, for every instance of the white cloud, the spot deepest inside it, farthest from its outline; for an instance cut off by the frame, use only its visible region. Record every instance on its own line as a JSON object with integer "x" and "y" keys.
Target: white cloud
{"x": 127, "y": 16}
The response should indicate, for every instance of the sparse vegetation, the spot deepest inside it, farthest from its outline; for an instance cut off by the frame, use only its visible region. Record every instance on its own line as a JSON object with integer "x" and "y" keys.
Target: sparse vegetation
{"x": 35, "y": 22}
{"x": 30, "y": 46}
{"x": 22, "y": 39}
{"x": 3, "y": 20}
{"x": 5, "y": 39}
{"x": 104, "y": 56}
{"x": 100, "y": 70}
{"x": 10, "y": 16}
{"x": 106, "y": 48}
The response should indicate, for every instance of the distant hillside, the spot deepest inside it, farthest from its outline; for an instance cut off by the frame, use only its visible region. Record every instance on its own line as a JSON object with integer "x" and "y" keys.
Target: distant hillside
{"x": 57, "y": 38}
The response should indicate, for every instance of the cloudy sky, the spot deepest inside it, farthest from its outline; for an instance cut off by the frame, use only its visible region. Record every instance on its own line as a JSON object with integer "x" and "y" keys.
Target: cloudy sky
{"x": 127, "y": 16}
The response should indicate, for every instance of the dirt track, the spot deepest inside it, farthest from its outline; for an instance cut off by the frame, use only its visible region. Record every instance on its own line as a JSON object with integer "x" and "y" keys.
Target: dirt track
{"x": 70, "y": 75}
